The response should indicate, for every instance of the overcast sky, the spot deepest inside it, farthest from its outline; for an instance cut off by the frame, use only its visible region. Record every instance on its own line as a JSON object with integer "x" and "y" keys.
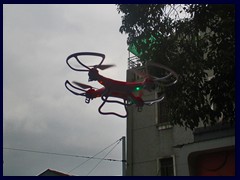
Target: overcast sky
{"x": 38, "y": 112}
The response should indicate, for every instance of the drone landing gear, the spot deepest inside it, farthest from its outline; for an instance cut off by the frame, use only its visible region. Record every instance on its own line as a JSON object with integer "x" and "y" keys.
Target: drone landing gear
{"x": 104, "y": 98}
{"x": 112, "y": 113}
{"x": 87, "y": 100}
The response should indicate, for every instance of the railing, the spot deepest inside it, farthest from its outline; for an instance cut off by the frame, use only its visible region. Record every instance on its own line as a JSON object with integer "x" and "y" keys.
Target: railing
{"x": 134, "y": 62}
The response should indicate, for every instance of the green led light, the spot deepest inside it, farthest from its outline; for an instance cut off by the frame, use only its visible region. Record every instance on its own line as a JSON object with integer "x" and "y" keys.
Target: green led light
{"x": 137, "y": 88}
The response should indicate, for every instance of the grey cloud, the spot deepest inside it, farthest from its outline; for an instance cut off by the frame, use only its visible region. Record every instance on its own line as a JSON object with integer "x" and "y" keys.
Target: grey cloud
{"x": 38, "y": 111}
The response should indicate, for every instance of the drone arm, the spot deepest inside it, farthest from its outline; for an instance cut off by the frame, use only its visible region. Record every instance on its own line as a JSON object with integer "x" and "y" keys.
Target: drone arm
{"x": 137, "y": 100}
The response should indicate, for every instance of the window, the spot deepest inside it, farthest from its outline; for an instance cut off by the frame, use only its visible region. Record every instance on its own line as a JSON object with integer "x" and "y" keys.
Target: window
{"x": 166, "y": 166}
{"x": 163, "y": 120}
{"x": 163, "y": 112}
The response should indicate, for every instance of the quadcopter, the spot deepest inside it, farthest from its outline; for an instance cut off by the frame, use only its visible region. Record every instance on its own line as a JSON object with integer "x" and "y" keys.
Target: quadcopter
{"x": 129, "y": 92}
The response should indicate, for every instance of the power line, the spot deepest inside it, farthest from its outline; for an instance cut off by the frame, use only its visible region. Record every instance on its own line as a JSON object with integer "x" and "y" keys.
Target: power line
{"x": 94, "y": 157}
{"x": 104, "y": 157}
{"x": 59, "y": 154}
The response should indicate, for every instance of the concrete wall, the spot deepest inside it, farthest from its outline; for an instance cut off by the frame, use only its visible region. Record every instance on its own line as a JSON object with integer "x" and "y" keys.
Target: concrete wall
{"x": 145, "y": 142}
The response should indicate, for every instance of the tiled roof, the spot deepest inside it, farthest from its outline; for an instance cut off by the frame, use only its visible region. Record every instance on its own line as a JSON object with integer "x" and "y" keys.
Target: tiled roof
{"x": 50, "y": 172}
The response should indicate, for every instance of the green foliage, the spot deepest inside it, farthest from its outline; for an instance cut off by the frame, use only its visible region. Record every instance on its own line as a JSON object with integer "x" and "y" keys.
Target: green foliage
{"x": 194, "y": 46}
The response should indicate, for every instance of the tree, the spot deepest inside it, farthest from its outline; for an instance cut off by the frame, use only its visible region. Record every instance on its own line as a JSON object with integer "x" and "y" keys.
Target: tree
{"x": 193, "y": 40}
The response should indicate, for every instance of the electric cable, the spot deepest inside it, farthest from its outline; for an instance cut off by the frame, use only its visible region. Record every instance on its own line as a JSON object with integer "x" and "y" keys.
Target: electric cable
{"x": 94, "y": 157}
{"x": 64, "y": 154}
{"x": 104, "y": 157}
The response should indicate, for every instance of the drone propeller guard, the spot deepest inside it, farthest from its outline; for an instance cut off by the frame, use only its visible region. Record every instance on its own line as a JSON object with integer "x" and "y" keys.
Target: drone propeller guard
{"x": 75, "y": 55}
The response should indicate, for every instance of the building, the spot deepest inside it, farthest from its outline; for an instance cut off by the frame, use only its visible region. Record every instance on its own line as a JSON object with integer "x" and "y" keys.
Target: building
{"x": 155, "y": 148}
{"x": 50, "y": 172}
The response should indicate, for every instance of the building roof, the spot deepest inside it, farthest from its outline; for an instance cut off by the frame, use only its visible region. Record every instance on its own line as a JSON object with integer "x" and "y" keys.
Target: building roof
{"x": 50, "y": 172}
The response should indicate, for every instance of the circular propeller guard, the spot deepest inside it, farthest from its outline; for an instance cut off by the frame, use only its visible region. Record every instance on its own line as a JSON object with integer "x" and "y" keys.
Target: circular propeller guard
{"x": 167, "y": 77}
{"x": 170, "y": 78}
{"x": 77, "y": 56}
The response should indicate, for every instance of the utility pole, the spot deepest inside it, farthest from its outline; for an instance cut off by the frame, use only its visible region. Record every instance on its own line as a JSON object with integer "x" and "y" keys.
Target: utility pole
{"x": 123, "y": 157}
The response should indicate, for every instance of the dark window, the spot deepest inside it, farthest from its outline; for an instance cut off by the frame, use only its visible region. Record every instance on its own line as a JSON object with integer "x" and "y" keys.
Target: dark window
{"x": 166, "y": 167}
{"x": 163, "y": 111}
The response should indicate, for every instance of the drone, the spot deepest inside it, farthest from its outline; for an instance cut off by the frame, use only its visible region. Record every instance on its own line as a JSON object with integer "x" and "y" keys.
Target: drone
{"x": 130, "y": 93}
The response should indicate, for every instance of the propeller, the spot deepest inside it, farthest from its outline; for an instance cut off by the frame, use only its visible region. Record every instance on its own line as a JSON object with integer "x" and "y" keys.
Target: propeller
{"x": 103, "y": 67}
{"x": 84, "y": 86}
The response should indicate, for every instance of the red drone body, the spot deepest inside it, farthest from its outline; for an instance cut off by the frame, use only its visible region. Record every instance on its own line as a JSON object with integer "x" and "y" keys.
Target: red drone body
{"x": 130, "y": 92}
